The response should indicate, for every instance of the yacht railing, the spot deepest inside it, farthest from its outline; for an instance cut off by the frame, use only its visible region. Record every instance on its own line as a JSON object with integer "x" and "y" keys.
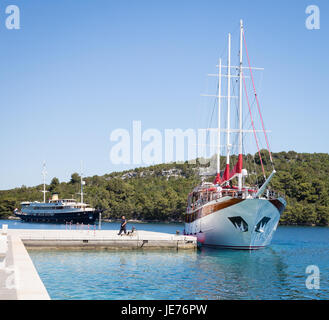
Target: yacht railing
{"x": 244, "y": 194}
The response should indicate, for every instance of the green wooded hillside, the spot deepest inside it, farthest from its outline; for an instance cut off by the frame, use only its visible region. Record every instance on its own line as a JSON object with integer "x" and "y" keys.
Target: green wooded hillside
{"x": 160, "y": 192}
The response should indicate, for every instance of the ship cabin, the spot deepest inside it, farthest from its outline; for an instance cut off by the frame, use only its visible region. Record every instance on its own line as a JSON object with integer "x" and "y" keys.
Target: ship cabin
{"x": 67, "y": 203}
{"x": 55, "y": 204}
{"x": 208, "y": 192}
{"x": 25, "y": 204}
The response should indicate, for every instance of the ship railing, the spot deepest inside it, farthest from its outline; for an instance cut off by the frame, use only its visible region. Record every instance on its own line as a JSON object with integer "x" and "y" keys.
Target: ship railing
{"x": 244, "y": 194}
{"x": 273, "y": 194}
{"x": 199, "y": 203}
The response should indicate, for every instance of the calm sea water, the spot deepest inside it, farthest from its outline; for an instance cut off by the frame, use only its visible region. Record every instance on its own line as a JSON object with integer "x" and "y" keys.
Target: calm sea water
{"x": 276, "y": 272}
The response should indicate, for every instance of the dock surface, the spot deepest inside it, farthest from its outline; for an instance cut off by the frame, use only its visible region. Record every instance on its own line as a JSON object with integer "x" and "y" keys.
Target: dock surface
{"x": 19, "y": 280}
{"x": 102, "y": 239}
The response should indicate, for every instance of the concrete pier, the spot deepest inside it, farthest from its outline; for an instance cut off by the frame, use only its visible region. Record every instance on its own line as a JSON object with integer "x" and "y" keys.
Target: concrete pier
{"x": 102, "y": 239}
{"x": 19, "y": 280}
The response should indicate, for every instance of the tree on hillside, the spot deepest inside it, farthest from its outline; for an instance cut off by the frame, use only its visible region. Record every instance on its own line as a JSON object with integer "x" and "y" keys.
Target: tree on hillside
{"x": 75, "y": 178}
{"x": 53, "y": 184}
{"x": 159, "y": 192}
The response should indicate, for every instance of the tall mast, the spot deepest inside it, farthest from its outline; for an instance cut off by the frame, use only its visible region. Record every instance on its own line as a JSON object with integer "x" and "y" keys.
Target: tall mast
{"x": 44, "y": 173}
{"x": 228, "y": 147}
{"x": 240, "y": 111}
{"x": 219, "y": 103}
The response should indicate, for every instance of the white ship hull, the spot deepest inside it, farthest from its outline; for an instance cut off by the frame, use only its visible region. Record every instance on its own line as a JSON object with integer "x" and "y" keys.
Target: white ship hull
{"x": 248, "y": 224}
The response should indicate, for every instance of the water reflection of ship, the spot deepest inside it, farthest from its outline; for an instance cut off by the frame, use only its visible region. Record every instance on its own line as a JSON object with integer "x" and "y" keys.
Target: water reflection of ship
{"x": 241, "y": 275}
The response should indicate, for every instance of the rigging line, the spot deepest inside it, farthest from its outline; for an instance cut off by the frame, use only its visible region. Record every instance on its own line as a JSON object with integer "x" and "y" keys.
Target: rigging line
{"x": 259, "y": 89}
{"x": 255, "y": 168}
{"x": 253, "y": 84}
{"x": 237, "y": 113}
{"x": 233, "y": 33}
{"x": 200, "y": 107}
{"x": 236, "y": 109}
{"x": 248, "y": 166}
{"x": 252, "y": 122}
{"x": 221, "y": 56}
{"x": 264, "y": 155}
{"x": 211, "y": 117}
{"x": 252, "y": 167}
{"x": 244, "y": 136}
{"x": 224, "y": 51}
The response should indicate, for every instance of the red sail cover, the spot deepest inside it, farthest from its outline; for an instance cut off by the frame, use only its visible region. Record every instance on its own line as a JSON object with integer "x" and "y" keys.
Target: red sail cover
{"x": 237, "y": 169}
{"x": 226, "y": 175}
{"x": 218, "y": 180}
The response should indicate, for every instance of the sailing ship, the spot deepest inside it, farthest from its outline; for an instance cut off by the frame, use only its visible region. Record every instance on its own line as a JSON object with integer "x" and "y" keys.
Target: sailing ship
{"x": 57, "y": 210}
{"x": 219, "y": 213}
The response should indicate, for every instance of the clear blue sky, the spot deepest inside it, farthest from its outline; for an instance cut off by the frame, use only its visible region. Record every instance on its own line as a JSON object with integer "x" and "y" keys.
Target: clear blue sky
{"x": 76, "y": 70}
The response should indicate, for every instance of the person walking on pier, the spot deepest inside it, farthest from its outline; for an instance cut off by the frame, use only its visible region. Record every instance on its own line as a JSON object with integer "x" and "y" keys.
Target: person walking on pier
{"x": 123, "y": 226}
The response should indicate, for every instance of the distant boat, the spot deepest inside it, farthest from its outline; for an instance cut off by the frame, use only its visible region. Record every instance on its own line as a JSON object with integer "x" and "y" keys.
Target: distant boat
{"x": 57, "y": 210}
{"x": 221, "y": 214}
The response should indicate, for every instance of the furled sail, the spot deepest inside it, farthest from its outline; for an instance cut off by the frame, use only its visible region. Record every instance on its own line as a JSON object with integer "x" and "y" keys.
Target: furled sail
{"x": 228, "y": 175}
